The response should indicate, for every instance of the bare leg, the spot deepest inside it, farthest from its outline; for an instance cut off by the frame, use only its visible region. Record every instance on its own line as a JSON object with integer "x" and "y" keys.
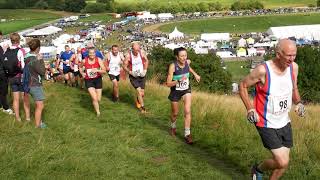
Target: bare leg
{"x": 38, "y": 112}
{"x": 16, "y": 99}
{"x": 115, "y": 88}
{"x": 26, "y": 105}
{"x": 95, "y": 101}
{"x": 187, "y": 110}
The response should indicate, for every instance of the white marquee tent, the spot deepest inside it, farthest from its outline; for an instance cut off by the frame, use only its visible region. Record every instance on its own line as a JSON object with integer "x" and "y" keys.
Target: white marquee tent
{"x": 310, "y": 32}
{"x": 176, "y": 34}
{"x": 215, "y": 37}
{"x": 45, "y": 31}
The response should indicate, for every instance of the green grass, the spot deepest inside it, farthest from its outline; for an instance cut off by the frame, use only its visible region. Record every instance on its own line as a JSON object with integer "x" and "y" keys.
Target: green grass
{"x": 267, "y": 3}
{"x": 124, "y": 144}
{"x": 236, "y": 71}
{"x": 242, "y": 24}
{"x": 25, "y": 19}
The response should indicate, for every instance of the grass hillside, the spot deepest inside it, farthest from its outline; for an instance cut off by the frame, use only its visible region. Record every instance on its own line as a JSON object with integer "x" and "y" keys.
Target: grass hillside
{"x": 238, "y": 24}
{"x": 26, "y": 18}
{"x": 123, "y": 144}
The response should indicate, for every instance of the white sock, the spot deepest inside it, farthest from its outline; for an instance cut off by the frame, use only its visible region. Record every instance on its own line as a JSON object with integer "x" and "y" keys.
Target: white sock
{"x": 187, "y": 132}
{"x": 174, "y": 124}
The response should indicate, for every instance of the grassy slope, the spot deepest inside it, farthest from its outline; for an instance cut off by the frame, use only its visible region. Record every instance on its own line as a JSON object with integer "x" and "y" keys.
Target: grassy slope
{"x": 236, "y": 71}
{"x": 25, "y": 19}
{"x": 242, "y": 24}
{"x": 125, "y": 144}
{"x": 267, "y": 3}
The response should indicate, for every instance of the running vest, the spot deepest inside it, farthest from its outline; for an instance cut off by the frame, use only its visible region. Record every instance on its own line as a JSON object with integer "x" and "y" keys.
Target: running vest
{"x": 273, "y": 100}
{"x": 137, "y": 64}
{"x": 114, "y": 64}
{"x": 182, "y": 75}
{"x": 89, "y": 67}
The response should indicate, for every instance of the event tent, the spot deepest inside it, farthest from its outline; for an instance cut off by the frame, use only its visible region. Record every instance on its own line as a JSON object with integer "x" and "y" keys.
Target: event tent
{"x": 45, "y": 31}
{"x": 310, "y": 32}
{"x": 242, "y": 42}
{"x": 176, "y": 34}
{"x": 215, "y": 37}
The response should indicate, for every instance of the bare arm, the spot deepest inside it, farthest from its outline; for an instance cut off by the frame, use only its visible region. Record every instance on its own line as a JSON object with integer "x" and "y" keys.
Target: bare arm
{"x": 126, "y": 63}
{"x": 146, "y": 58}
{"x": 102, "y": 67}
{"x": 256, "y": 76}
{"x": 193, "y": 72}
{"x": 171, "y": 83}
{"x": 295, "y": 92}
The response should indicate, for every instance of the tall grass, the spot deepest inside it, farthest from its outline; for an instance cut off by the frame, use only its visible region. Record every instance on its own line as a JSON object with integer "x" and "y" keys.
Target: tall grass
{"x": 124, "y": 144}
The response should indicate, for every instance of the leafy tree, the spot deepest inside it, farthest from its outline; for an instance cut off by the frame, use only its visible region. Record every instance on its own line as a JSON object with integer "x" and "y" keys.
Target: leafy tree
{"x": 318, "y": 3}
{"x": 95, "y": 7}
{"x": 41, "y": 5}
{"x": 309, "y": 70}
{"x": 75, "y": 5}
{"x": 213, "y": 77}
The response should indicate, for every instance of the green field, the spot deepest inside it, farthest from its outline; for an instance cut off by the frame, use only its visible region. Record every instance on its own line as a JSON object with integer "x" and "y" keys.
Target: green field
{"x": 236, "y": 71}
{"x": 25, "y": 19}
{"x": 240, "y": 24}
{"x": 123, "y": 144}
{"x": 267, "y": 3}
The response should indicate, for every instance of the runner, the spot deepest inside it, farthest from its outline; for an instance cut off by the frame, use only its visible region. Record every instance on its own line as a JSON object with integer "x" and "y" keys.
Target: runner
{"x": 92, "y": 70}
{"x": 114, "y": 61}
{"x": 77, "y": 74}
{"x": 178, "y": 81}
{"x": 36, "y": 70}
{"x": 65, "y": 57}
{"x": 276, "y": 90}
{"x": 13, "y": 63}
{"x": 54, "y": 70}
{"x": 136, "y": 64}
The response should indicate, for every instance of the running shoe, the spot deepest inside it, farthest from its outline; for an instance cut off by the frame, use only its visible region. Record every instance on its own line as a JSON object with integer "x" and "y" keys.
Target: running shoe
{"x": 42, "y": 125}
{"x": 8, "y": 111}
{"x": 188, "y": 139}
{"x": 142, "y": 109}
{"x": 255, "y": 174}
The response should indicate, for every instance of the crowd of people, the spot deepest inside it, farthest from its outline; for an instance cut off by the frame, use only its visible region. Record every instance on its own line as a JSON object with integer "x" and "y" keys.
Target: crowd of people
{"x": 275, "y": 82}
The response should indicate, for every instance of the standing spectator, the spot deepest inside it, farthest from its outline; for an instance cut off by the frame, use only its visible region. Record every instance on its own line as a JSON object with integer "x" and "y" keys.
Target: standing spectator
{"x": 36, "y": 70}
{"x": 3, "y": 84}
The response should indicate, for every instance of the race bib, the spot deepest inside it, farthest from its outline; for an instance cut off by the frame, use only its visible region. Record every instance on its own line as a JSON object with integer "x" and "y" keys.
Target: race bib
{"x": 280, "y": 104}
{"x": 92, "y": 73}
{"x": 75, "y": 68}
{"x": 183, "y": 85}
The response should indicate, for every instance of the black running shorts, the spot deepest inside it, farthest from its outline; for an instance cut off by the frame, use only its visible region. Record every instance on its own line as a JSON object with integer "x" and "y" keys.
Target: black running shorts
{"x": 138, "y": 82}
{"x": 113, "y": 77}
{"x": 276, "y": 138}
{"x": 94, "y": 83}
{"x": 176, "y": 96}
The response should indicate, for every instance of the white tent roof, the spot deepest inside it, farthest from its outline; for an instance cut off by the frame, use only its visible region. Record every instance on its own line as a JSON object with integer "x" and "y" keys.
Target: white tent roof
{"x": 311, "y": 32}
{"x": 176, "y": 34}
{"x": 165, "y": 15}
{"x": 215, "y": 36}
{"x": 45, "y": 31}
{"x": 146, "y": 15}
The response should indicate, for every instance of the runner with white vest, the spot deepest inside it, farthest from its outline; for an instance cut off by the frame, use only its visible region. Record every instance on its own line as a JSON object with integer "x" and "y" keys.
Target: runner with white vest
{"x": 136, "y": 64}
{"x": 276, "y": 89}
{"x": 114, "y": 62}
{"x": 178, "y": 81}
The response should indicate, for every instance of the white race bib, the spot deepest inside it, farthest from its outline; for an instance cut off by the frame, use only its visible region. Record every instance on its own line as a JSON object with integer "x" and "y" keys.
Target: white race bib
{"x": 92, "y": 73}
{"x": 183, "y": 85}
{"x": 280, "y": 104}
{"x": 75, "y": 68}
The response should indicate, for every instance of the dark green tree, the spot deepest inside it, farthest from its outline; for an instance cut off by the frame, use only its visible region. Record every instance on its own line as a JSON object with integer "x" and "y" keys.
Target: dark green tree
{"x": 309, "y": 70}
{"x": 75, "y": 5}
{"x": 318, "y": 3}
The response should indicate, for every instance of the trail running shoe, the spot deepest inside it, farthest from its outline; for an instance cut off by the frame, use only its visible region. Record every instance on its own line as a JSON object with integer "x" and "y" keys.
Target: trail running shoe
{"x": 142, "y": 109}
{"x": 42, "y": 125}
{"x": 173, "y": 131}
{"x": 8, "y": 111}
{"x": 255, "y": 174}
{"x": 188, "y": 139}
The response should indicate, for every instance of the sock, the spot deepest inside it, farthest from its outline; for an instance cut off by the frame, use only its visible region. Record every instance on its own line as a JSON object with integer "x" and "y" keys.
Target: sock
{"x": 186, "y": 132}
{"x": 174, "y": 124}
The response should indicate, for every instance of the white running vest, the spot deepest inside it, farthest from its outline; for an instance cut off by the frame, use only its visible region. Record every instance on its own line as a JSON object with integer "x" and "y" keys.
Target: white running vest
{"x": 137, "y": 64}
{"x": 273, "y": 104}
{"x": 114, "y": 64}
